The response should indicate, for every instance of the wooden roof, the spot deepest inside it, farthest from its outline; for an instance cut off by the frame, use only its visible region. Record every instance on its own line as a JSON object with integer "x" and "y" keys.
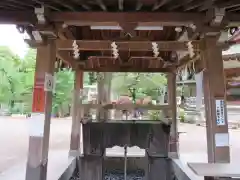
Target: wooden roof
{"x": 121, "y": 5}
{"x": 134, "y": 25}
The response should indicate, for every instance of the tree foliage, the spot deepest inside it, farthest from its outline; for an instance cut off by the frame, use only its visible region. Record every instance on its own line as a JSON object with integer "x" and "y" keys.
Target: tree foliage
{"x": 145, "y": 84}
{"x": 17, "y": 79}
{"x": 62, "y": 97}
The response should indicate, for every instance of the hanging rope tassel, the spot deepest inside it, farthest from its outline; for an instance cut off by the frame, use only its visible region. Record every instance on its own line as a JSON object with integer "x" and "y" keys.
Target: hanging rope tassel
{"x": 76, "y": 53}
{"x": 155, "y": 49}
{"x": 114, "y": 50}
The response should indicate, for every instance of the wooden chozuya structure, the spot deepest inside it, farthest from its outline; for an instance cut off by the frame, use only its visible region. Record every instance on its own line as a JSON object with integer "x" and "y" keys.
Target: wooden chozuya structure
{"x": 231, "y": 66}
{"x": 127, "y": 36}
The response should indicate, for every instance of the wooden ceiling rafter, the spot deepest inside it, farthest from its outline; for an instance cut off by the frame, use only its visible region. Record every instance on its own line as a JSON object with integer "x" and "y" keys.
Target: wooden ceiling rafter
{"x": 229, "y": 4}
{"x": 21, "y": 3}
{"x": 159, "y": 3}
{"x": 45, "y": 4}
{"x": 192, "y": 5}
{"x": 231, "y": 57}
{"x": 178, "y": 4}
{"x": 174, "y": 19}
{"x": 156, "y": 5}
{"x": 66, "y": 20}
{"x": 98, "y": 63}
{"x": 67, "y": 58}
{"x": 88, "y": 18}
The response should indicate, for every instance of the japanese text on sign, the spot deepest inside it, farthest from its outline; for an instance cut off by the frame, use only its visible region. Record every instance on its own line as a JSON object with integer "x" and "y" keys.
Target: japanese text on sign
{"x": 220, "y": 114}
{"x": 49, "y": 82}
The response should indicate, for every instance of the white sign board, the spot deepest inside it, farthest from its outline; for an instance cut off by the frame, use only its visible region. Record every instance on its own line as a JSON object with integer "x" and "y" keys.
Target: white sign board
{"x": 221, "y": 139}
{"x": 49, "y": 82}
{"x": 220, "y": 112}
{"x": 36, "y": 124}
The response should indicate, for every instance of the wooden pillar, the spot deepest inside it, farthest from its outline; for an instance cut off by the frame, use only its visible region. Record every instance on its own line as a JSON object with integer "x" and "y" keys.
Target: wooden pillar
{"x": 199, "y": 90}
{"x": 41, "y": 116}
{"x": 199, "y": 96}
{"x": 108, "y": 92}
{"x": 172, "y": 101}
{"x": 104, "y": 81}
{"x": 215, "y": 98}
{"x": 77, "y": 114}
{"x": 100, "y": 92}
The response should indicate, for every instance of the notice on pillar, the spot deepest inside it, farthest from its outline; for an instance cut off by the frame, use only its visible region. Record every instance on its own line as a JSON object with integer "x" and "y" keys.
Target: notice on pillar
{"x": 220, "y": 112}
{"x": 49, "y": 82}
{"x": 38, "y": 104}
{"x": 36, "y": 124}
{"x": 221, "y": 139}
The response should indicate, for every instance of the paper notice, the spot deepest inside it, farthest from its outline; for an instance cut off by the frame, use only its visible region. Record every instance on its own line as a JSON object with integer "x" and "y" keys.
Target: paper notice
{"x": 220, "y": 114}
{"x": 36, "y": 124}
{"x": 221, "y": 139}
{"x": 49, "y": 82}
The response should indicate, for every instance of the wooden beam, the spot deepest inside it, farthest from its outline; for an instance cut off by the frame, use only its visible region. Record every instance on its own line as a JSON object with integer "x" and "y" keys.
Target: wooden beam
{"x": 232, "y": 72}
{"x": 127, "y": 69}
{"x": 33, "y": 44}
{"x": 184, "y": 60}
{"x": 129, "y": 17}
{"x": 85, "y": 45}
{"x": 229, "y": 4}
{"x": 120, "y": 5}
{"x": 233, "y": 19}
{"x": 168, "y": 18}
{"x": 159, "y": 4}
{"x": 231, "y": 57}
{"x": 65, "y": 56}
{"x": 17, "y": 17}
{"x": 127, "y": 106}
{"x": 178, "y": 4}
{"x": 64, "y": 32}
{"x": 192, "y": 5}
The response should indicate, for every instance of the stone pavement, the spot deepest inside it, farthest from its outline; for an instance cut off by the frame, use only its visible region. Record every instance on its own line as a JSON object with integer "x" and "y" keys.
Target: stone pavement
{"x": 14, "y": 143}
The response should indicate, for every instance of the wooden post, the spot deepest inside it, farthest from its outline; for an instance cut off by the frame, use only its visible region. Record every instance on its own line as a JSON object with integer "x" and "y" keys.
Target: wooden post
{"x": 100, "y": 95}
{"x": 77, "y": 114}
{"x": 41, "y": 108}
{"x": 214, "y": 98}
{"x": 199, "y": 90}
{"x": 108, "y": 86}
{"x": 104, "y": 87}
{"x": 172, "y": 101}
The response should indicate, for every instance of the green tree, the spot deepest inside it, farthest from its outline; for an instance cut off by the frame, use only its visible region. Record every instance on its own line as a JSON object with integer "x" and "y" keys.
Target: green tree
{"x": 62, "y": 98}
{"x": 11, "y": 80}
{"x": 145, "y": 84}
{"x": 27, "y": 70}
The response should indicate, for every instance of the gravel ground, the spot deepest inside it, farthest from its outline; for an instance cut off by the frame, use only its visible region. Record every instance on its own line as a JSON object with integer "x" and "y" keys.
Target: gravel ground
{"x": 119, "y": 175}
{"x": 14, "y": 141}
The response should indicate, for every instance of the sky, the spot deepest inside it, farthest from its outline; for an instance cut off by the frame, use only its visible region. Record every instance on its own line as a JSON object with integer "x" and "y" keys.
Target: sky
{"x": 9, "y": 36}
